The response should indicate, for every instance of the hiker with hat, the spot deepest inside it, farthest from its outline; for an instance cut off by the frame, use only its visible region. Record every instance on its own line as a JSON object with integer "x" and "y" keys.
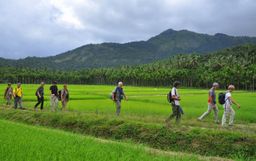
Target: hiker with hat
{"x": 8, "y": 94}
{"x": 117, "y": 96}
{"x": 228, "y": 110}
{"x": 211, "y": 104}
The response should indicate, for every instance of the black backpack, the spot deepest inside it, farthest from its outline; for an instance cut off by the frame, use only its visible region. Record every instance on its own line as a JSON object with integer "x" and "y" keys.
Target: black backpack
{"x": 37, "y": 92}
{"x": 222, "y": 98}
{"x": 169, "y": 97}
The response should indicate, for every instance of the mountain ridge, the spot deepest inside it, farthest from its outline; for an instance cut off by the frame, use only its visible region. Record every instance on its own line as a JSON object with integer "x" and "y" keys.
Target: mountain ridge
{"x": 162, "y": 46}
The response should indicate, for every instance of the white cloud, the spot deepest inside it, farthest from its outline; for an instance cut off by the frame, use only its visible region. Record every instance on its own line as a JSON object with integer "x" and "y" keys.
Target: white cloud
{"x": 66, "y": 16}
{"x": 47, "y": 27}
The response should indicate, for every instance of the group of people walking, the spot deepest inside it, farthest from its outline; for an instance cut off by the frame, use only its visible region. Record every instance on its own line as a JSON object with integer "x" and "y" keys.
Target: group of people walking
{"x": 55, "y": 97}
{"x": 177, "y": 111}
{"x": 227, "y": 105}
{"x": 118, "y": 95}
{"x": 15, "y": 93}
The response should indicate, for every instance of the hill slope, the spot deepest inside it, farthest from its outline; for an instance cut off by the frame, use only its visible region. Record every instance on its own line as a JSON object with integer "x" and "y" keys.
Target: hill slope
{"x": 235, "y": 65}
{"x": 162, "y": 46}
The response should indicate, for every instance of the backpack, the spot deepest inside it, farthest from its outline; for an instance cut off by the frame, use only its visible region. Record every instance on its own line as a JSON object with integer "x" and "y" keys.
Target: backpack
{"x": 112, "y": 95}
{"x": 169, "y": 97}
{"x": 37, "y": 92}
{"x": 221, "y": 98}
{"x": 7, "y": 91}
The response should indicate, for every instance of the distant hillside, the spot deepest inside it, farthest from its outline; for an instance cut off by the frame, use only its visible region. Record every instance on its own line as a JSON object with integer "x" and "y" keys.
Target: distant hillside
{"x": 235, "y": 65}
{"x": 162, "y": 46}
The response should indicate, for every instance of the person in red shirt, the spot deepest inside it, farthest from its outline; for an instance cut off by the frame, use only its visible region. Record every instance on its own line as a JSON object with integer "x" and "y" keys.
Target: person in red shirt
{"x": 211, "y": 104}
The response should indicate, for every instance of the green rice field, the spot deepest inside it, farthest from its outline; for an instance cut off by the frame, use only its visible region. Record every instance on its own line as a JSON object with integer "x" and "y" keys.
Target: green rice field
{"x": 30, "y": 143}
{"x": 143, "y": 102}
{"x": 146, "y": 107}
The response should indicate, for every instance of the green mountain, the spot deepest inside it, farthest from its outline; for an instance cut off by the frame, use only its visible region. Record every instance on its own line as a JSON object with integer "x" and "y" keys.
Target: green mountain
{"x": 162, "y": 46}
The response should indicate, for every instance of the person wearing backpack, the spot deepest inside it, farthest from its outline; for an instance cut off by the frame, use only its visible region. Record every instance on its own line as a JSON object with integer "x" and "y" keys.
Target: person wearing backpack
{"x": 175, "y": 103}
{"x": 18, "y": 94}
{"x": 211, "y": 104}
{"x": 40, "y": 97}
{"x": 228, "y": 110}
{"x": 117, "y": 96}
{"x": 54, "y": 96}
{"x": 64, "y": 97}
{"x": 8, "y": 93}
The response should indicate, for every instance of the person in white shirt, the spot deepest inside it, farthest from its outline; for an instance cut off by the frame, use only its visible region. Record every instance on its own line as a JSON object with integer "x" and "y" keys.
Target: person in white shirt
{"x": 228, "y": 110}
{"x": 175, "y": 103}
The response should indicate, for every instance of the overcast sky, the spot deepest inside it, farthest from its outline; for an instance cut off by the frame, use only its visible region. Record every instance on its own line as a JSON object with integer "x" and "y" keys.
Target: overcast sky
{"x": 50, "y": 27}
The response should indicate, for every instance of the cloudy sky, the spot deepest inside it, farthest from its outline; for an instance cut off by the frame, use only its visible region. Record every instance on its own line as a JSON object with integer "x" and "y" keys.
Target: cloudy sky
{"x": 49, "y": 27}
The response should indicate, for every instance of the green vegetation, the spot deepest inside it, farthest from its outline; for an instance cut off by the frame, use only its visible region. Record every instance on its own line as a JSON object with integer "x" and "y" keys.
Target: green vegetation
{"x": 22, "y": 142}
{"x": 231, "y": 144}
{"x": 142, "y": 120}
{"x": 145, "y": 103}
{"x": 236, "y": 65}
{"x": 162, "y": 46}
{"x": 91, "y": 112}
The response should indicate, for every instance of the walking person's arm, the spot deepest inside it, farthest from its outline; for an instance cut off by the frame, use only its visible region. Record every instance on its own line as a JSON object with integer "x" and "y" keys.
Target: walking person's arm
{"x": 174, "y": 95}
{"x": 38, "y": 93}
{"x": 62, "y": 95}
{"x": 5, "y": 92}
{"x": 125, "y": 97}
{"x": 114, "y": 94}
{"x": 234, "y": 102}
{"x": 21, "y": 93}
{"x": 212, "y": 103}
{"x": 14, "y": 93}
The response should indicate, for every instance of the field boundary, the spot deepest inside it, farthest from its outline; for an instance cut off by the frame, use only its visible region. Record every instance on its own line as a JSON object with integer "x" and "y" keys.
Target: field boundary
{"x": 199, "y": 141}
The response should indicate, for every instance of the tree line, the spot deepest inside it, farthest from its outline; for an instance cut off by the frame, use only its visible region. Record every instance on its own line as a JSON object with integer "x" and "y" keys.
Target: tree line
{"x": 233, "y": 65}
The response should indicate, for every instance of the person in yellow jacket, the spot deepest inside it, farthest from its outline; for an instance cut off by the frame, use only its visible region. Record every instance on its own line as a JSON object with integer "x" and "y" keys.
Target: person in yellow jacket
{"x": 17, "y": 94}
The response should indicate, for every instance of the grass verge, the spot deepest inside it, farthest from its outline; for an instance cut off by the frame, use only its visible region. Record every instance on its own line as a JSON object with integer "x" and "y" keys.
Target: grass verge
{"x": 208, "y": 142}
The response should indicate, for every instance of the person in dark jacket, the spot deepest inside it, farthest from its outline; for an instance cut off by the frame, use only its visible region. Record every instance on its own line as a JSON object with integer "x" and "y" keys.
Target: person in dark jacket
{"x": 40, "y": 97}
{"x": 54, "y": 96}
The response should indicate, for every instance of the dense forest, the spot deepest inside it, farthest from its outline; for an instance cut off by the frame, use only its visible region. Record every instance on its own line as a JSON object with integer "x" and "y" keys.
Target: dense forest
{"x": 233, "y": 65}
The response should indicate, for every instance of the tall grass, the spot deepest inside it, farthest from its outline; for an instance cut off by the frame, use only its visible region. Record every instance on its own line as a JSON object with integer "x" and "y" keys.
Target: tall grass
{"x": 21, "y": 142}
{"x": 186, "y": 139}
